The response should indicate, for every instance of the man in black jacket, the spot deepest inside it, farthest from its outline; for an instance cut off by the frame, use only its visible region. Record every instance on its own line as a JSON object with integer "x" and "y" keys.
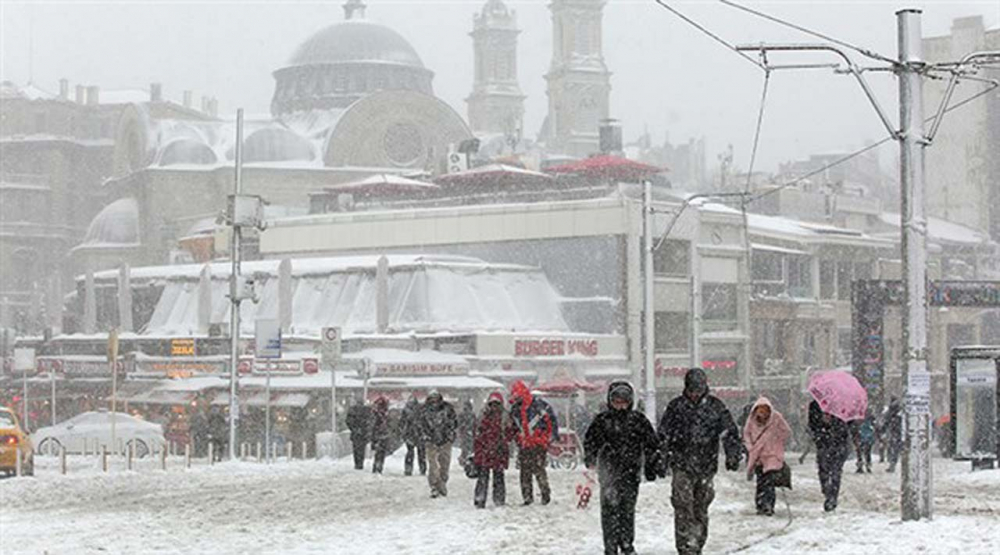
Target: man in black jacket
{"x": 359, "y": 423}
{"x": 409, "y": 427}
{"x": 830, "y": 434}
{"x": 620, "y": 442}
{"x": 438, "y": 425}
{"x": 689, "y": 433}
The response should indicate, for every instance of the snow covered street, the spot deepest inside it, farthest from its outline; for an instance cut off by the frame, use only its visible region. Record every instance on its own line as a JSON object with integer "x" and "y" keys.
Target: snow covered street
{"x": 324, "y": 507}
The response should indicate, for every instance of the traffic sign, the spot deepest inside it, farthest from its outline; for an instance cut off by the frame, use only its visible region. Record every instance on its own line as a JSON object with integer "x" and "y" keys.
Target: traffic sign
{"x": 267, "y": 337}
{"x": 330, "y": 346}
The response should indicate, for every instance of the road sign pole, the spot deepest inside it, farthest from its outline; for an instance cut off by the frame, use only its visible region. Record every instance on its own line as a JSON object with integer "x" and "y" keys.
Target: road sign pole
{"x": 267, "y": 411}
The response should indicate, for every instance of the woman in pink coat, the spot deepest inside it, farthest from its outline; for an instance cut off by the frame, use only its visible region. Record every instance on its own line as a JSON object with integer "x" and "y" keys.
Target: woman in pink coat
{"x": 764, "y": 436}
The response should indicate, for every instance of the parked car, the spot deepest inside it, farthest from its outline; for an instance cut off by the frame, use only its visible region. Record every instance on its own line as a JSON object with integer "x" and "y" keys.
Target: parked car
{"x": 14, "y": 440}
{"x": 90, "y": 431}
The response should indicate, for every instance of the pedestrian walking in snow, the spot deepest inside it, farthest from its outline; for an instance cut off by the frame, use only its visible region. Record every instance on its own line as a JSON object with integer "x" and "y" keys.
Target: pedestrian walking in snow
{"x": 892, "y": 432}
{"x": 359, "y": 423}
{"x": 537, "y": 427}
{"x": 491, "y": 451}
{"x": 863, "y": 434}
{"x": 830, "y": 434}
{"x": 218, "y": 432}
{"x": 622, "y": 445}
{"x": 409, "y": 430}
{"x": 764, "y": 436}
{"x": 689, "y": 432}
{"x": 438, "y": 424}
{"x": 380, "y": 436}
{"x": 466, "y": 431}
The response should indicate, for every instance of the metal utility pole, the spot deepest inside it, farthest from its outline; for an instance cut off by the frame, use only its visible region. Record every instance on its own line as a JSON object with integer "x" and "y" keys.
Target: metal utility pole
{"x": 916, "y": 463}
{"x": 234, "y": 294}
{"x": 649, "y": 310}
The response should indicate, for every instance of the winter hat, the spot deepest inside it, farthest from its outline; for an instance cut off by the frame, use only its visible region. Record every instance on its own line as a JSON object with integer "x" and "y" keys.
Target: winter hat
{"x": 695, "y": 381}
{"x": 495, "y": 397}
{"x": 434, "y": 394}
{"x": 621, "y": 390}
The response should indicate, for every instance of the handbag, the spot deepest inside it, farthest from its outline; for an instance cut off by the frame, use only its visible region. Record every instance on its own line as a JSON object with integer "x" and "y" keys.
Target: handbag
{"x": 471, "y": 469}
{"x": 784, "y": 477}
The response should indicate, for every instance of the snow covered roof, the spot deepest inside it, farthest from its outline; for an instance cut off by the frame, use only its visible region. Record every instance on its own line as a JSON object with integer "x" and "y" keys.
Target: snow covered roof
{"x": 940, "y": 230}
{"x": 355, "y": 41}
{"x": 425, "y": 293}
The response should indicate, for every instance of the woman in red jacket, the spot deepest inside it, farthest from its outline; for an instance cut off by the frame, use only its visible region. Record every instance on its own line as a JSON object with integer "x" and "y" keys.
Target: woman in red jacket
{"x": 491, "y": 451}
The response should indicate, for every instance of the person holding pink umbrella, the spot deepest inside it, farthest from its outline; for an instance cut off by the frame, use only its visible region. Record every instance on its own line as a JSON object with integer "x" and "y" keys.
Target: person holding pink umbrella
{"x": 838, "y": 398}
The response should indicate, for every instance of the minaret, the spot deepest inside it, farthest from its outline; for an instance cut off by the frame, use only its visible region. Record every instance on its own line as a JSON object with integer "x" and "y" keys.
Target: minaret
{"x": 496, "y": 104}
{"x": 352, "y": 6}
{"x": 579, "y": 83}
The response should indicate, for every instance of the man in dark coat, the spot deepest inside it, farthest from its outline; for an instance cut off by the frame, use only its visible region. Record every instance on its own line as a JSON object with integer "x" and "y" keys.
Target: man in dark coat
{"x": 380, "y": 433}
{"x": 831, "y": 436}
{"x": 438, "y": 425}
{"x": 892, "y": 432}
{"x": 466, "y": 431}
{"x": 621, "y": 443}
{"x": 359, "y": 423}
{"x": 491, "y": 451}
{"x": 689, "y": 433}
{"x": 536, "y": 426}
{"x": 218, "y": 432}
{"x": 409, "y": 430}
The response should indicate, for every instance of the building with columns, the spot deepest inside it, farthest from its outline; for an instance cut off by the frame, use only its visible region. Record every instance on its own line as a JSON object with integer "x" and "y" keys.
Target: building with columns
{"x": 579, "y": 83}
{"x": 496, "y": 104}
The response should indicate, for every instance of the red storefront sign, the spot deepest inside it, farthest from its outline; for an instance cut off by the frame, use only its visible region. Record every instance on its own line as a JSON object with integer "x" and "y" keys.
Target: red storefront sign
{"x": 555, "y": 347}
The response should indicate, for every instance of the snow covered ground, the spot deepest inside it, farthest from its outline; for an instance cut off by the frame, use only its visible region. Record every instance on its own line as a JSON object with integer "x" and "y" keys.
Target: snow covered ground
{"x": 327, "y": 507}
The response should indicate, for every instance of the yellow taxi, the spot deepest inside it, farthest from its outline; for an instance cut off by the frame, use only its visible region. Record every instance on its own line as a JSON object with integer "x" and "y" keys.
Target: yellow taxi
{"x": 14, "y": 440}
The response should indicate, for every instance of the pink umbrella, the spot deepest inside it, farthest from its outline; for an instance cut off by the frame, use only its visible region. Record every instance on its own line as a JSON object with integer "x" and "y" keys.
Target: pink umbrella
{"x": 840, "y": 394}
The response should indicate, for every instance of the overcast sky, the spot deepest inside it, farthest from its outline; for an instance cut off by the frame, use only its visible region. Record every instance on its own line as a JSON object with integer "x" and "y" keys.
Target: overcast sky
{"x": 667, "y": 76}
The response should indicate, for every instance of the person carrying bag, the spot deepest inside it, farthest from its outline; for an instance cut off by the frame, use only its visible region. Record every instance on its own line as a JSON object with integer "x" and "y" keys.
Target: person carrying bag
{"x": 764, "y": 436}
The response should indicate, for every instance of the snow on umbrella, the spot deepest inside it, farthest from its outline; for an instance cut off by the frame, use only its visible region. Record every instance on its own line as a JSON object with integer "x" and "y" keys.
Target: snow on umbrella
{"x": 839, "y": 394}
{"x": 607, "y": 167}
{"x": 567, "y": 386}
{"x": 496, "y": 175}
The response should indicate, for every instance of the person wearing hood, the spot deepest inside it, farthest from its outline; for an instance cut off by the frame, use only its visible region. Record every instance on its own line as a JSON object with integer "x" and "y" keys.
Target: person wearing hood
{"x": 830, "y": 435}
{"x": 892, "y": 432}
{"x": 536, "y": 426}
{"x": 621, "y": 444}
{"x": 491, "y": 451}
{"x": 409, "y": 430}
{"x": 764, "y": 436}
{"x": 359, "y": 423}
{"x": 380, "y": 433}
{"x": 438, "y": 424}
{"x": 689, "y": 432}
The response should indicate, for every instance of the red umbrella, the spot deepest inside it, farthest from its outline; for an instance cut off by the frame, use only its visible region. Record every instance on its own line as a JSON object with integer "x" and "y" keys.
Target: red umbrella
{"x": 607, "y": 167}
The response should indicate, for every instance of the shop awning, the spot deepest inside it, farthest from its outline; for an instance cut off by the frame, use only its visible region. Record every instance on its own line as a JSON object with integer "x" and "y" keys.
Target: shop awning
{"x": 256, "y": 398}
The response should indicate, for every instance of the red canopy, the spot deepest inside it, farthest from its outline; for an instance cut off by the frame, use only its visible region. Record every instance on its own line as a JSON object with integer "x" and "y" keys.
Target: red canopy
{"x": 608, "y": 167}
{"x": 567, "y": 386}
{"x": 494, "y": 174}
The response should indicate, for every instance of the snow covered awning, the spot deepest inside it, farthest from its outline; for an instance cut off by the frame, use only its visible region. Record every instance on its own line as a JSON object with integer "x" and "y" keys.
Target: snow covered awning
{"x": 421, "y": 383}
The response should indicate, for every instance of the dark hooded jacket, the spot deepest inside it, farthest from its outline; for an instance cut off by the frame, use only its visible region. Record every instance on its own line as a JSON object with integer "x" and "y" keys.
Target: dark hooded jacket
{"x": 621, "y": 443}
{"x": 409, "y": 422}
{"x": 438, "y": 421}
{"x": 690, "y": 431}
{"x": 359, "y": 419}
{"x": 828, "y": 434}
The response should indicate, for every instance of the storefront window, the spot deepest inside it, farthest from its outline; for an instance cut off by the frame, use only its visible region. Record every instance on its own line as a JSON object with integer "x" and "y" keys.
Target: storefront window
{"x": 718, "y": 301}
{"x": 673, "y": 258}
{"x": 672, "y": 331}
{"x": 800, "y": 276}
{"x": 827, "y": 279}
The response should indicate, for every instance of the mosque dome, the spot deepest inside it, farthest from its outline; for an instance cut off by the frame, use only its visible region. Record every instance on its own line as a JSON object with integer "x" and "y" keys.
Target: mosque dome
{"x": 115, "y": 225}
{"x": 345, "y": 62}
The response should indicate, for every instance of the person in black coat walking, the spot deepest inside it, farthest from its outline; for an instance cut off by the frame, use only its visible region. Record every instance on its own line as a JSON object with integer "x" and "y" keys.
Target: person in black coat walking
{"x": 409, "y": 430}
{"x": 359, "y": 423}
{"x": 690, "y": 431}
{"x": 831, "y": 436}
{"x": 438, "y": 425}
{"x": 621, "y": 443}
{"x": 892, "y": 432}
{"x": 380, "y": 436}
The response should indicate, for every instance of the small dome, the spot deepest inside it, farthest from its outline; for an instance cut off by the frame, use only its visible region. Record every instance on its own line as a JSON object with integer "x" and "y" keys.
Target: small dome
{"x": 276, "y": 145}
{"x": 116, "y": 224}
{"x": 187, "y": 151}
{"x": 355, "y": 41}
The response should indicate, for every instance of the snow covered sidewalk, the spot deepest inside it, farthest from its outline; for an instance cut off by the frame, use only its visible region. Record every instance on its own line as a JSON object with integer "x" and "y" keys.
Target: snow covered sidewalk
{"x": 325, "y": 507}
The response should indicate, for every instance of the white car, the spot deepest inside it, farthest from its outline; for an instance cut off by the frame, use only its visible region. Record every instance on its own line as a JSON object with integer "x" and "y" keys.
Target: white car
{"x": 89, "y": 431}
